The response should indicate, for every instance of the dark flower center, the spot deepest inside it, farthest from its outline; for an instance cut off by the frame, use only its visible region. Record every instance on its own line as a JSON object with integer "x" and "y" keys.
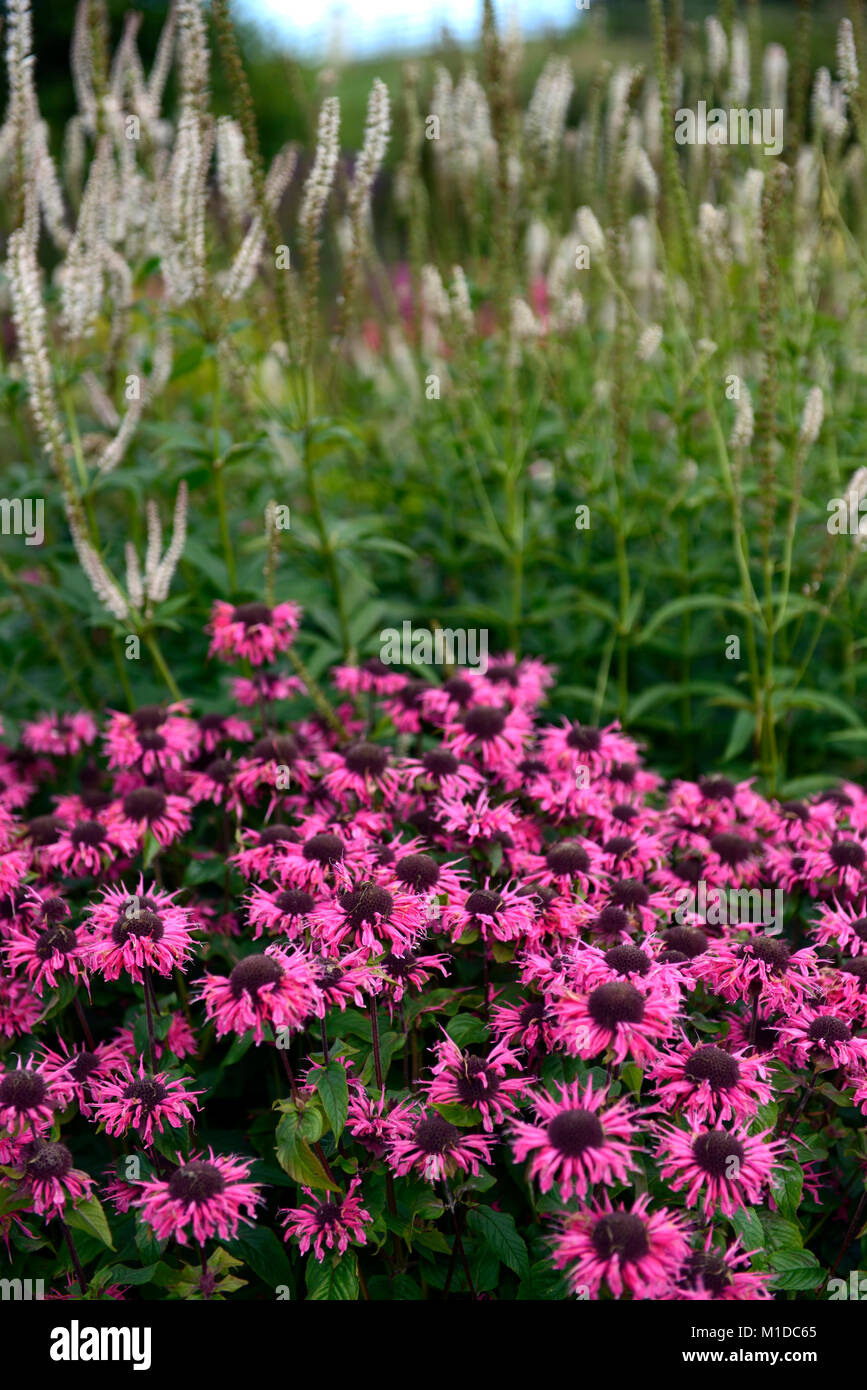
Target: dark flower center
{"x": 44, "y": 830}
{"x": 23, "y": 1090}
{"x": 251, "y": 614}
{"x": 151, "y": 742}
{"x": 398, "y": 967}
{"x": 221, "y": 771}
{"x": 48, "y": 1161}
{"x": 732, "y": 849}
{"x": 629, "y": 892}
{"x": 623, "y": 772}
{"x": 484, "y": 722}
{"x": 57, "y": 938}
{"x": 709, "y": 1269}
{"x": 860, "y": 928}
{"x": 567, "y": 858}
{"x": 294, "y": 902}
{"x": 439, "y": 762}
{"x": 324, "y": 847}
{"x": 436, "y": 1135}
{"x": 717, "y": 788}
{"x": 364, "y": 758}
{"x": 624, "y": 812}
{"x": 669, "y": 957}
{"x": 328, "y": 1214}
{"x": 147, "y": 1092}
{"x": 149, "y": 718}
{"x": 711, "y": 1064}
{"x": 773, "y": 954}
{"x": 829, "y": 1029}
{"x": 142, "y": 923}
{"x": 573, "y": 1131}
{"x": 614, "y": 1003}
{"x": 532, "y": 1013}
{"x": 410, "y": 695}
{"x": 458, "y": 690}
{"x": 481, "y": 901}
{"x": 688, "y": 870}
{"x": 620, "y": 1234}
{"x": 366, "y": 903}
{"x": 796, "y": 810}
{"x": 619, "y": 845}
{"x": 196, "y": 1182}
{"x": 476, "y": 1083}
{"x": 278, "y": 834}
{"x": 500, "y": 673}
{"x": 714, "y": 1151}
{"x": 584, "y": 739}
{"x": 628, "y": 960}
{"x": 847, "y": 854}
{"x": 85, "y": 1064}
{"x": 857, "y": 966}
{"x": 690, "y": 940}
{"x": 211, "y": 723}
{"x": 252, "y": 973}
{"x": 87, "y": 832}
{"x": 611, "y": 920}
{"x": 418, "y": 870}
{"x": 144, "y": 803}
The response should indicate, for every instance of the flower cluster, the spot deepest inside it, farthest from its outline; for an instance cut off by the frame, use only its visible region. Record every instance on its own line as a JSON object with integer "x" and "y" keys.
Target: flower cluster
{"x": 490, "y": 943}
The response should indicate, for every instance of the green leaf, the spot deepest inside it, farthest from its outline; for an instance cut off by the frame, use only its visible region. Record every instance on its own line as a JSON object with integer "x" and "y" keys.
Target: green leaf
{"x": 334, "y": 1092}
{"x": 689, "y": 603}
{"x": 335, "y": 1279}
{"x": 266, "y": 1256}
{"x": 89, "y": 1216}
{"x": 497, "y": 1229}
{"x": 466, "y": 1028}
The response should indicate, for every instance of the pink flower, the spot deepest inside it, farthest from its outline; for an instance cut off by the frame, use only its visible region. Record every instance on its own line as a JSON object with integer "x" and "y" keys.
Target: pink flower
{"x": 721, "y": 1168}
{"x": 635, "y": 1250}
{"x": 49, "y": 1178}
{"x": 134, "y": 932}
{"x": 478, "y": 1083}
{"x": 205, "y": 1196}
{"x": 277, "y": 988}
{"x": 576, "y": 1140}
{"x": 252, "y": 631}
{"x": 436, "y": 1149}
{"x": 711, "y": 1082}
{"x": 144, "y": 1103}
{"x": 153, "y": 739}
{"x": 329, "y": 1223}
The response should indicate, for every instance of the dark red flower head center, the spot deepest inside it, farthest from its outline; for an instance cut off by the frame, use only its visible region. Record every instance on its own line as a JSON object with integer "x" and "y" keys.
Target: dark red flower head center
{"x": 196, "y": 1182}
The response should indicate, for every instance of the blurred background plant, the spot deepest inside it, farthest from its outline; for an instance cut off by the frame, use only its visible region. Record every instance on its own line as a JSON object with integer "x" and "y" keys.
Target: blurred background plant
{"x": 436, "y": 305}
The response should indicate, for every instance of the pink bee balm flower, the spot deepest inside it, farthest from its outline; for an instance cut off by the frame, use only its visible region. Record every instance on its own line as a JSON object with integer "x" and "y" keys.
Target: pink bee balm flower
{"x": 436, "y": 1149}
{"x": 713, "y": 1275}
{"x": 252, "y": 630}
{"x": 630, "y": 1019}
{"x": 152, "y": 739}
{"x": 333, "y": 1221}
{"x": 721, "y": 1168}
{"x": 60, "y": 734}
{"x": 144, "y": 1103}
{"x": 131, "y": 932}
{"x": 576, "y": 1140}
{"x": 822, "y": 1035}
{"x": 635, "y": 1250}
{"x": 764, "y": 965}
{"x": 49, "y": 1178}
{"x": 27, "y": 1098}
{"x": 204, "y": 1196}
{"x": 278, "y": 988}
{"x": 46, "y": 955}
{"x": 479, "y": 1083}
{"x": 710, "y": 1082}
